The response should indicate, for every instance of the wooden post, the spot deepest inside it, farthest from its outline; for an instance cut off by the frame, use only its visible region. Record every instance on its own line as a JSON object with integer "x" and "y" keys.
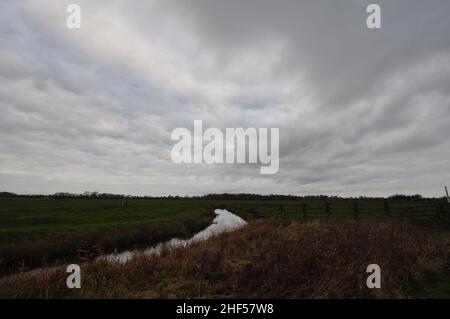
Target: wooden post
{"x": 327, "y": 210}
{"x": 387, "y": 208}
{"x": 281, "y": 211}
{"x": 305, "y": 213}
{"x": 355, "y": 210}
{"x": 445, "y": 213}
{"x": 446, "y": 193}
{"x": 440, "y": 213}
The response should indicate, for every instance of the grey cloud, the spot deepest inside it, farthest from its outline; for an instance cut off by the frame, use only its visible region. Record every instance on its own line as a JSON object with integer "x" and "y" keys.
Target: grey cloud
{"x": 359, "y": 111}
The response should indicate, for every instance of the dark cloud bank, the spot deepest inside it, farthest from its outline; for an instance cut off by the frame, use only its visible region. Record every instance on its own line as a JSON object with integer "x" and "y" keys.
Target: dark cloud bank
{"x": 360, "y": 112}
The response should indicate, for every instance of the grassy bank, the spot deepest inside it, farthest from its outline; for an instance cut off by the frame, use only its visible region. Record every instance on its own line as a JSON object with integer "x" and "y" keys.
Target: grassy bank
{"x": 263, "y": 259}
{"x": 36, "y": 232}
{"x": 40, "y": 232}
{"x": 30, "y": 218}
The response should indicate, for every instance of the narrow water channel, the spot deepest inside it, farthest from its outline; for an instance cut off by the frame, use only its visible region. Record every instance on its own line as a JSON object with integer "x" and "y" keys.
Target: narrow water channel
{"x": 224, "y": 222}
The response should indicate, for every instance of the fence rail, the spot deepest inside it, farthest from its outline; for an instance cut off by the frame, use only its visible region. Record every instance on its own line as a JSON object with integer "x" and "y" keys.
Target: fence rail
{"x": 433, "y": 212}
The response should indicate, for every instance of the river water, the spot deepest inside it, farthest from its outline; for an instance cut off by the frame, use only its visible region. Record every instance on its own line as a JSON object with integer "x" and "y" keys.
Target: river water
{"x": 223, "y": 222}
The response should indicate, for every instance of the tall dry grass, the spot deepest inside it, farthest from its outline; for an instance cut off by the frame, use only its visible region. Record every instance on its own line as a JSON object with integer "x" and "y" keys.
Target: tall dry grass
{"x": 262, "y": 260}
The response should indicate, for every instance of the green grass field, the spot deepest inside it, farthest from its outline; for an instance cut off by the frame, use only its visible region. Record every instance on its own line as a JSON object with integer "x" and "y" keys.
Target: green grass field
{"x": 425, "y": 212}
{"x": 40, "y": 232}
{"x": 37, "y": 232}
{"x": 33, "y": 218}
{"x": 30, "y": 218}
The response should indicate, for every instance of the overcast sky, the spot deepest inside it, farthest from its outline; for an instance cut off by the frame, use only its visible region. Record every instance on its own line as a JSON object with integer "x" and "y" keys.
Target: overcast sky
{"x": 360, "y": 112}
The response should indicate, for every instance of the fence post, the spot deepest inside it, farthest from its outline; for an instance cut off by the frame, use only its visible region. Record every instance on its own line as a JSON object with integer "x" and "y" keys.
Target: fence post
{"x": 305, "y": 216}
{"x": 328, "y": 210}
{"x": 440, "y": 213}
{"x": 387, "y": 208}
{"x": 355, "y": 210}
{"x": 281, "y": 211}
{"x": 446, "y": 213}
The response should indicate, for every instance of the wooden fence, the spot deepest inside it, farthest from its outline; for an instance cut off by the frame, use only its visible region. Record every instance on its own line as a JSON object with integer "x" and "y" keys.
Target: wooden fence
{"x": 426, "y": 212}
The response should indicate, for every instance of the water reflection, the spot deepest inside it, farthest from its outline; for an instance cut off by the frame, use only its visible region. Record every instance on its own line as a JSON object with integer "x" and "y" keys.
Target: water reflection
{"x": 223, "y": 222}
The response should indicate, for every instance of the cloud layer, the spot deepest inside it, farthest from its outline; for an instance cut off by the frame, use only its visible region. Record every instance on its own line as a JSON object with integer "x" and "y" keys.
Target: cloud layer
{"x": 360, "y": 112}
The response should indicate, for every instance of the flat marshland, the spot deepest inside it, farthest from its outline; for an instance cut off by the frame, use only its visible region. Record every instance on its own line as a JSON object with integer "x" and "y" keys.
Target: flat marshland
{"x": 41, "y": 232}
{"x": 277, "y": 254}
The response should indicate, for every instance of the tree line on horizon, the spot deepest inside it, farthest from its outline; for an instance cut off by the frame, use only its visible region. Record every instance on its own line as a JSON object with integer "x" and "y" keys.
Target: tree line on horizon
{"x": 223, "y": 196}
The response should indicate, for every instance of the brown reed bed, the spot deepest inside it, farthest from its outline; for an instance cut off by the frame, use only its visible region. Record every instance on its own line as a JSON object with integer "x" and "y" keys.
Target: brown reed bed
{"x": 265, "y": 259}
